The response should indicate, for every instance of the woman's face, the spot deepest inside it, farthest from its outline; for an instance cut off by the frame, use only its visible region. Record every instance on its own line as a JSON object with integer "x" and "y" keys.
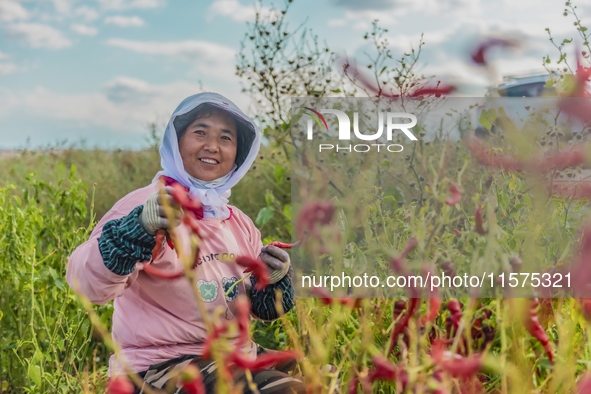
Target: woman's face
{"x": 208, "y": 146}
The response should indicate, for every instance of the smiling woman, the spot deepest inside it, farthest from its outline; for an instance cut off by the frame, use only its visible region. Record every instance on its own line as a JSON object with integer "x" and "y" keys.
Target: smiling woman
{"x": 208, "y": 146}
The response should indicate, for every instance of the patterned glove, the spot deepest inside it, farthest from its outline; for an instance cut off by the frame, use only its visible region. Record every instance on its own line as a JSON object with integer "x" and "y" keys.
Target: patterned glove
{"x": 277, "y": 261}
{"x": 153, "y": 216}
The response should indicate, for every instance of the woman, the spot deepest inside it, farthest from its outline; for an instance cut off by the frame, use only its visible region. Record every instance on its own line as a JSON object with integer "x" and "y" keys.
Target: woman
{"x": 208, "y": 146}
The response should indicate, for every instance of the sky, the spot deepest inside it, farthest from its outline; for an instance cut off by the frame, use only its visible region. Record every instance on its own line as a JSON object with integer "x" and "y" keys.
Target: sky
{"x": 100, "y": 71}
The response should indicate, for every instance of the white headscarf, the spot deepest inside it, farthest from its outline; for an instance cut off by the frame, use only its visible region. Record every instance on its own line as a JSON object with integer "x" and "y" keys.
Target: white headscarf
{"x": 214, "y": 199}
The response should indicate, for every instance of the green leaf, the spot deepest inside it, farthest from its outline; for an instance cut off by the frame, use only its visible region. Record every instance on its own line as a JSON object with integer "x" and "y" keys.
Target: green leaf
{"x": 265, "y": 214}
{"x": 487, "y": 118}
{"x": 269, "y": 198}
{"x": 278, "y": 172}
{"x": 513, "y": 184}
{"x": 569, "y": 83}
{"x": 35, "y": 374}
{"x": 286, "y": 212}
{"x": 59, "y": 283}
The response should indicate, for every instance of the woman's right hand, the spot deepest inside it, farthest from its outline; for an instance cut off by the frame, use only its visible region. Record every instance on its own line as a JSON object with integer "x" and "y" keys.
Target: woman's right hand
{"x": 153, "y": 216}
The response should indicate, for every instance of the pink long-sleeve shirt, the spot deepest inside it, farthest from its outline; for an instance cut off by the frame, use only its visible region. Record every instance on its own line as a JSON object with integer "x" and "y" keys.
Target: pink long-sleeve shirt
{"x": 155, "y": 320}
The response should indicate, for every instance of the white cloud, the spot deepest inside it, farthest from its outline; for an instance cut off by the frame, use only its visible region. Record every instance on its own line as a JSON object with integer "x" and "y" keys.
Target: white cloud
{"x": 63, "y": 6}
{"x": 362, "y": 19}
{"x": 366, "y": 4}
{"x": 171, "y": 48}
{"x": 123, "y": 104}
{"x": 210, "y": 58}
{"x": 125, "y": 89}
{"x": 129, "y": 4}
{"x": 38, "y": 35}
{"x": 359, "y": 15}
{"x": 401, "y": 7}
{"x": 238, "y": 12}
{"x": 8, "y": 68}
{"x": 87, "y": 14}
{"x": 96, "y": 117}
{"x": 84, "y": 30}
{"x": 11, "y": 11}
{"x": 125, "y": 21}
{"x": 233, "y": 9}
{"x": 4, "y": 56}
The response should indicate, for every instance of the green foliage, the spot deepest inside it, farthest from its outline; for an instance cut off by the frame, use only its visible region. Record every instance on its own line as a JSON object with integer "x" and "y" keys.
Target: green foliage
{"x": 46, "y": 337}
{"x": 114, "y": 173}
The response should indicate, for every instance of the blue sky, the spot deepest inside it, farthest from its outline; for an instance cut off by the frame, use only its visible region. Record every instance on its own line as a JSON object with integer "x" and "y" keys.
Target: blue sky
{"x": 101, "y": 70}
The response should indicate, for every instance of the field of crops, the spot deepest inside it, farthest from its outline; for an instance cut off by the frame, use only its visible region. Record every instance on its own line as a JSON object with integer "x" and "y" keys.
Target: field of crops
{"x": 425, "y": 345}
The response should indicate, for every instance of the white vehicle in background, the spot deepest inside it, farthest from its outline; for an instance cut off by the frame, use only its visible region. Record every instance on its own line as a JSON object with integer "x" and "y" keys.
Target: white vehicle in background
{"x": 515, "y": 86}
{"x": 537, "y": 97}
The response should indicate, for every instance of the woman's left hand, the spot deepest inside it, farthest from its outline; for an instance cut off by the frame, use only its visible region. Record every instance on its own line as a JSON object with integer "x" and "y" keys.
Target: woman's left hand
{"x": 277, "y": 261}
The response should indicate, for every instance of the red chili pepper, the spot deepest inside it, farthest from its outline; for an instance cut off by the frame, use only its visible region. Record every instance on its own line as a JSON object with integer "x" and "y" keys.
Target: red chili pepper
{"x": 580, "y": 272}
{"x": 181, "y": 195}
{"x": 453, "y": 321}
{"x": 478, "y": 221}
{"x": 243, "y": 312}
{"x": 478, "y": 330}
{"x": 353, "y": 383}
{"x": 383, "y": 369}
{"x": 454, "y": 364}
{"x": 448, "y": 268}
{"x": 559, "y": 160}
{"x": 257, "y": 267}
{"x": 284, "y": 245}
{"x": 436, "y": 91}
{"x": 516, "y": 263}
{"x": 265, "y": 360}
{"x": 541, "y": 165}
{"x": 192, "y": 380}
{"x": 402, "y": 323}
{"x": 326, "y": 298}
{"x": 434, "y": 307}
{"x": 352, "y": 73}
{"x": 478, "y": 55}
{"x": 218, "y": 330}
{"x": 397, "y": 262}
{"x": 317, "y": 212}
{"x": 586, "y": 308}
{"x": 120, "y": 385}
{"x": 158, "y": 246}
{"x": 503, "y": 162}
{"x": 169, "y": 242}
{"x": 455, "y": 195}
{"x": 158, "y": 273}
{"x": 535, "y": 329}
{"x": 574, "y": 190}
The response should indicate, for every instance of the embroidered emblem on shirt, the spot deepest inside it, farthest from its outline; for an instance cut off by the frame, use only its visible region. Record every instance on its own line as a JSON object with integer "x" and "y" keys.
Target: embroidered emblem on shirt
{"x": 227, "y": 284}
{"x": 208, "y": 290}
